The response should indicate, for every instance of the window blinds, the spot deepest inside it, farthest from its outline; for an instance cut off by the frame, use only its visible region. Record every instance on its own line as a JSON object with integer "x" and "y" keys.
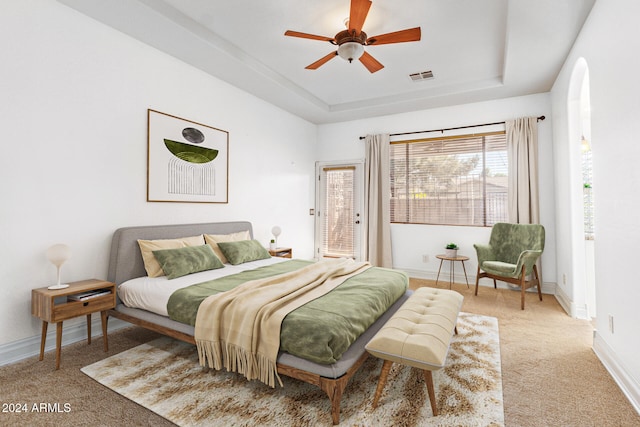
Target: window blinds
{"x": 451, "y": 180}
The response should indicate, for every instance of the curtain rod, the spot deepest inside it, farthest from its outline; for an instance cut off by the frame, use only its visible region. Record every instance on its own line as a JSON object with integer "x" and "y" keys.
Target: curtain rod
{"x": 456, "y": 128}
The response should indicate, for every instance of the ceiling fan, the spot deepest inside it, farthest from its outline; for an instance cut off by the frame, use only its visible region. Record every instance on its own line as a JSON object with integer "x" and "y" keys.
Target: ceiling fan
{"x": 351, "y": 42}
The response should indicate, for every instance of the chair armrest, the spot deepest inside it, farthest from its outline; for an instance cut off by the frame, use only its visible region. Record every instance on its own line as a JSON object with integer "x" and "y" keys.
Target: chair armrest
{"x": 528, "y": 259}
{"x": 485, "y": 253}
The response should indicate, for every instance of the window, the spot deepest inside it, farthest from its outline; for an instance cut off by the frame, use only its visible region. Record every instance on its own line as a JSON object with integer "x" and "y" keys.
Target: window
{"x": 452, "y": 180}
{"x": 587, "y": 177}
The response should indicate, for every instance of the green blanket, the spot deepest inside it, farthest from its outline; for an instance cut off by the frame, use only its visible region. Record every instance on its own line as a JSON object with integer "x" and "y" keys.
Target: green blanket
{"x": 320, "y": 330}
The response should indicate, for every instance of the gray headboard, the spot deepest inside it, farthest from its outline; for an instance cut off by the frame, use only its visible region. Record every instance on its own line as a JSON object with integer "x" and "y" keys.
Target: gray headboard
{"x": 125, "y": 261}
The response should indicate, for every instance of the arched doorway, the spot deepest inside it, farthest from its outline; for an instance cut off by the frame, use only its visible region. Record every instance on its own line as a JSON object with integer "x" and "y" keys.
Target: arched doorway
{"x": 582, "y": 189}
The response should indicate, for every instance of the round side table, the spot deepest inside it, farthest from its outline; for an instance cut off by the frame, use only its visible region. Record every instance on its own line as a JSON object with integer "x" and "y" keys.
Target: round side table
{"x": 452, "y": 261}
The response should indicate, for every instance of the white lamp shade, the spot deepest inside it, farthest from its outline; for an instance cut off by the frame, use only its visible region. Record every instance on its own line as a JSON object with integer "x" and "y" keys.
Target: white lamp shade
{"x": 350, "y": 51}
{"x": 58, "y": 254}
{"x": 276, "y": 231}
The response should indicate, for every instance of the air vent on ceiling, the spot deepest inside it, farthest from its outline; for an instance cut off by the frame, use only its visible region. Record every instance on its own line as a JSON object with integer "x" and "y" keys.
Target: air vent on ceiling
{"x": 423, "y": 75}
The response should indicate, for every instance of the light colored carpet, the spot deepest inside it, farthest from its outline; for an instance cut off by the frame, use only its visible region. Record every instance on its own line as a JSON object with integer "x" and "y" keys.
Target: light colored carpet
{"x": 550, "y": 374}
{"x": 164, "y": 376}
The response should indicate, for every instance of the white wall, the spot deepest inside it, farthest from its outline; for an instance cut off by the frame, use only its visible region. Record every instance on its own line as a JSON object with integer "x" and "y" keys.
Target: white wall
{"x": 410, "y": 242}
{"x": 74, "y": 97}
{"x": 609, "y": 43}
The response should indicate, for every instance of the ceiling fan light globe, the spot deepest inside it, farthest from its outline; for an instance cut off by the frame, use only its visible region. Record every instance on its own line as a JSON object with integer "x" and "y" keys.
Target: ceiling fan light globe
{"x": 350, "y": 51}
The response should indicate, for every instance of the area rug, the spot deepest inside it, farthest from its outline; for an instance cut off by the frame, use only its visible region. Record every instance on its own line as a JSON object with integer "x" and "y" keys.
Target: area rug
{"x": 165, "y": 377}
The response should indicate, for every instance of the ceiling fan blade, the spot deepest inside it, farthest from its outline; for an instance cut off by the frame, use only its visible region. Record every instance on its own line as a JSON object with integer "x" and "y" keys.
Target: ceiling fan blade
{"x": 307, "y": 36}
{"x": 358, "y": 14}
{"x": 322, "y": 61}
{"x": 410, "y": 35}
{"x": 371, "y": 63}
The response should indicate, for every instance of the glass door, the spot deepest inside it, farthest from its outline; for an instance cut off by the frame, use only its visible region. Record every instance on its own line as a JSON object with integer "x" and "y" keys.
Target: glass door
{"x": 338, "y": 210}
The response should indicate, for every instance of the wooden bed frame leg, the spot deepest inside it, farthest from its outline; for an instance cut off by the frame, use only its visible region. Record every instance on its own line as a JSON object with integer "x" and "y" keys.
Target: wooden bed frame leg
{"x": 334, "y": 387}
{"x": 384, "y": 372}
{"x": 334, "y": 390}
{"x": 428, "y": 378}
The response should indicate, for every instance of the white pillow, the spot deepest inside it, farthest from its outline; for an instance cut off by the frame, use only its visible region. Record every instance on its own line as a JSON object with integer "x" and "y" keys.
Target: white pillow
{"x": 213, "y": 239}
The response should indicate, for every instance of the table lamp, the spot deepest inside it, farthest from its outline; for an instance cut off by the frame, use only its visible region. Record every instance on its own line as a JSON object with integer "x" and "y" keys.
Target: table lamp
{"x": 276, "y": 232}
{"x": 57, "y": 255}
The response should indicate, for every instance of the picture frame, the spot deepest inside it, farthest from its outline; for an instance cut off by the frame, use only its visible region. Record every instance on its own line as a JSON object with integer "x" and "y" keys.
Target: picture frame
{"x": 187, "y": 161}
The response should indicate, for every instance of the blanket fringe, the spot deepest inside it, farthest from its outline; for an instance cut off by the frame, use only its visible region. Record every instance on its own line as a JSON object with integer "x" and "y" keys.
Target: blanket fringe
{"x": 237, "y": 359}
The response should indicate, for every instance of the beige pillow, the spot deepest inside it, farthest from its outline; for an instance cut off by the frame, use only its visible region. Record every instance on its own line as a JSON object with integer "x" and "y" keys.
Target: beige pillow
{"x": 213, "y": 239}
{"x": 148, "y": 246}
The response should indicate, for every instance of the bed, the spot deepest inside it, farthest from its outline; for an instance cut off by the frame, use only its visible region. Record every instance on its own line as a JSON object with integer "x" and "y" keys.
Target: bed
{"x": 126, "y": 263}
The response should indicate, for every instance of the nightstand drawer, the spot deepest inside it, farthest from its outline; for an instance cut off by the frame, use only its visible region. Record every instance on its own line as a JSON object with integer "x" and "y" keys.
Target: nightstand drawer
{"x": 281, "y": 252}
{"x": 72, "y": 309}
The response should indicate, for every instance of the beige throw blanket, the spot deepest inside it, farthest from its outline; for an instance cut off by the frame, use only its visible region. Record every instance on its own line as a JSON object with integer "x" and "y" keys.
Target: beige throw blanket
{"x": 240, "y": 329}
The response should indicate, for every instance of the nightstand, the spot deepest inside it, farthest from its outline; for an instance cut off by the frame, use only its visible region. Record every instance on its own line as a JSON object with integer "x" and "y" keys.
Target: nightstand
{"x": 281, "y": 252}
{"x": 54, "y": 306}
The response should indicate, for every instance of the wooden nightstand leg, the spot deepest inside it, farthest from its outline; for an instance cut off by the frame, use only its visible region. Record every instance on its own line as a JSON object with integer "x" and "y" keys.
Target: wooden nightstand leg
{"x": 43, "y": 339}
{"x": 58, "y": 343}
{"x": 105, "y": 342}
{"x": 89, "y": 328}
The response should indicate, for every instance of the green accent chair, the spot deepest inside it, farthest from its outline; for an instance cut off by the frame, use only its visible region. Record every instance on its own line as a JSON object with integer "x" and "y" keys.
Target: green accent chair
{"x": 511, "y": 256}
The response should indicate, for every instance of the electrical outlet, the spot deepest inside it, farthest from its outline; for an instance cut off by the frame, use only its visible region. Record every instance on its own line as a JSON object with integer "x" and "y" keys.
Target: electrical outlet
{"x": 564, "y": 279}
{"x": 425, "y": 258}
{"x": 611, "y": 324}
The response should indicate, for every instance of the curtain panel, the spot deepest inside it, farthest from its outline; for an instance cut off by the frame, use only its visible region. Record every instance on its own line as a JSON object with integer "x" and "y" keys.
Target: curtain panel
{"x": 522, "y": 148}
{"x": 377, "y": 187}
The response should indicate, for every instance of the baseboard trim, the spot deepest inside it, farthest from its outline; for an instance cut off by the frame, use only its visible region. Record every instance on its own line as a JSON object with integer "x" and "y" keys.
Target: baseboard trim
{"x": 547, "y": 287}
{"x": 564, "y": 301}
{"x": 607, "y": 356}
{"x": 18, "y": 350}
{"x": 573, "y": 309}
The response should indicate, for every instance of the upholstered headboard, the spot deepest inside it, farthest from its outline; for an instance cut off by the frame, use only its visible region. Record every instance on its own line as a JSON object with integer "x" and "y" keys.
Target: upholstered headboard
{"x": 125, "y": 261}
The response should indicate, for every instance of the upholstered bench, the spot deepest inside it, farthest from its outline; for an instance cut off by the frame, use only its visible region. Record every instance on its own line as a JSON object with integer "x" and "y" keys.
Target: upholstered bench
{"x": 418, "y": 335}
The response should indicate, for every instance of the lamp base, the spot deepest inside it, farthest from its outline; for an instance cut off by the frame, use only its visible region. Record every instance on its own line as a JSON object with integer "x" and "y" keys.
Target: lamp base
{"x": 61, "y": 286}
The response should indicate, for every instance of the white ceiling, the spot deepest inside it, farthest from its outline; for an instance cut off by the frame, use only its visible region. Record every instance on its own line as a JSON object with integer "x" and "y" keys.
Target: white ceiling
{"x": 477, "y": 49}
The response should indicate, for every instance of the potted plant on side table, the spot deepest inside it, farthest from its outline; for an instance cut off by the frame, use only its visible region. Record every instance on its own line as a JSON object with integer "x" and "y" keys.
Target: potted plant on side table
{"x": 451, "y": 250}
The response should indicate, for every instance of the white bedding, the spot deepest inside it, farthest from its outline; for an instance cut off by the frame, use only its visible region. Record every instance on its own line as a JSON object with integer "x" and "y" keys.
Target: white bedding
{"x": 152, "y": 293}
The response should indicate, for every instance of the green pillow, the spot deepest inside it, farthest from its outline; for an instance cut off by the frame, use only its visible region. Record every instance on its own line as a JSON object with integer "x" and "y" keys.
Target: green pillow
{"x": 191, "y": 259}
{"x": 243, "y": 251}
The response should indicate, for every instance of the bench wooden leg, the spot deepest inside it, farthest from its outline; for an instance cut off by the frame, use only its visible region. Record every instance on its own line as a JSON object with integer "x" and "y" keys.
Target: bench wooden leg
{"x": 384, "y": 372}
{"x": 428, "y": 378}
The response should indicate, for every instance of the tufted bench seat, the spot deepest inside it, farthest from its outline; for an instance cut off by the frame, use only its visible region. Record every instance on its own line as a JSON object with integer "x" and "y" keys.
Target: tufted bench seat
{"x": 418, "y": 335}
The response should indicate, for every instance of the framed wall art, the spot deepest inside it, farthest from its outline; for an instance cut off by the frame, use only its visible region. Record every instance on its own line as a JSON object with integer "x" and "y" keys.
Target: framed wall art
{"x": 187, "y": 161}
